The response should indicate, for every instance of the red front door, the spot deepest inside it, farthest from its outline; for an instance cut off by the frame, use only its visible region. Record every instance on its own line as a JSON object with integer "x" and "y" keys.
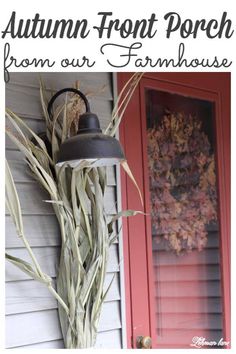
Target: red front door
{"x": 176, "y": 136}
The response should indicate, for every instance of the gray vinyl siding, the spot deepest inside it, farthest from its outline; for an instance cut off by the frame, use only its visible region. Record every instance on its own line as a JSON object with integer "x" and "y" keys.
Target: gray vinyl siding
{"x": 31, "y": 312}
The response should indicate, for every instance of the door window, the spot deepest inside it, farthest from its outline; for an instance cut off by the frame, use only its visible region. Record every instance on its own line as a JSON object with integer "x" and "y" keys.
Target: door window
{"x": 181, "y": 153}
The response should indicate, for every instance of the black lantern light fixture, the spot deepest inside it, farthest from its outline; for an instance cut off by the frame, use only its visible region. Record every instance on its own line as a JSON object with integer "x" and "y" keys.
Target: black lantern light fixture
{"x": 90, "y": 143}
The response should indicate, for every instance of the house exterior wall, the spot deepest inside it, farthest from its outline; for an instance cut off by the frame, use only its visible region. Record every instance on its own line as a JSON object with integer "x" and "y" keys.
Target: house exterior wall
{"x": 31, "y": 312}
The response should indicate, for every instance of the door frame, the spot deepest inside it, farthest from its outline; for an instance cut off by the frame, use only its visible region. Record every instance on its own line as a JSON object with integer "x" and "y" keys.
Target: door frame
{"x": 140, "y": 315}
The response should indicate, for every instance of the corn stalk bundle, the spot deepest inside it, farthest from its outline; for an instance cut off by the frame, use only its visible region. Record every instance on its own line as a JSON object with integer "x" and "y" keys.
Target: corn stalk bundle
{"x": 77, "y": 197}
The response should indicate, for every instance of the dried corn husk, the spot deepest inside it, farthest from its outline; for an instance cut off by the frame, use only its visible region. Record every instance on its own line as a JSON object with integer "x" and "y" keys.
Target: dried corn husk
{"x": 77, "y": 196}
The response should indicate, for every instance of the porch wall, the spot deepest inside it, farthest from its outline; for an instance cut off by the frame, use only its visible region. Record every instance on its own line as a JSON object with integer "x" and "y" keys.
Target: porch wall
{"x": 31, "y": 313}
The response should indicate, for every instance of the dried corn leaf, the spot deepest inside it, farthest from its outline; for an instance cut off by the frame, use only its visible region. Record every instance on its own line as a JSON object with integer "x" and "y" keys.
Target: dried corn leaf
{"x": 125, "y": 166}
{"x": 28, "y": 269}
{"x": 13, "y": 202}
{"x": 88, "y": 280}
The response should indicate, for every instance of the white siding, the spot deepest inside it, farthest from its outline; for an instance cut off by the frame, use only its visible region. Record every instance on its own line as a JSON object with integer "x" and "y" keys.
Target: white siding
{"x": 28, "y": 302}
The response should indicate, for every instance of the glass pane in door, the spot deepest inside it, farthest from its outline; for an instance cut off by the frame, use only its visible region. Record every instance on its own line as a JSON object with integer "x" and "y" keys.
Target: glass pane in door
{"x": 185, "y": 226}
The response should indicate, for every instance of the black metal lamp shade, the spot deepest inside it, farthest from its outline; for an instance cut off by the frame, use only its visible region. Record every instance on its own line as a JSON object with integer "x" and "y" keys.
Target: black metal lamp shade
{"x": 90, "y": 143}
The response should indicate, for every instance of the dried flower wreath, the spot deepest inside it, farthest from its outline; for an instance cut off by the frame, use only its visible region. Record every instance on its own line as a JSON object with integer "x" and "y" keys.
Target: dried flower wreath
{"x": 183, "y": 182}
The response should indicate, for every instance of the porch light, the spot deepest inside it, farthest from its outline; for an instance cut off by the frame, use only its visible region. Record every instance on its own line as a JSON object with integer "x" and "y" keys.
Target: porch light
{"x": 90, "y": 143}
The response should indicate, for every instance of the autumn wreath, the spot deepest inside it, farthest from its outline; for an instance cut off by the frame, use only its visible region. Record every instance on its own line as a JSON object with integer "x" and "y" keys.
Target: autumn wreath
{"x": 182, "y": 182}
